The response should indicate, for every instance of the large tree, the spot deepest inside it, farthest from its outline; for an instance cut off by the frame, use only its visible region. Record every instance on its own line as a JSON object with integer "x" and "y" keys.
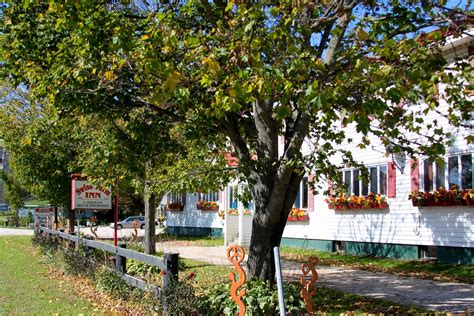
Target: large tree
{"x": 250, "y": 71}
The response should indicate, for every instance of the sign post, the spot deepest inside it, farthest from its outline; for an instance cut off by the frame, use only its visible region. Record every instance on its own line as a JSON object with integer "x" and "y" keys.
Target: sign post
{"x": 115, "y": 213}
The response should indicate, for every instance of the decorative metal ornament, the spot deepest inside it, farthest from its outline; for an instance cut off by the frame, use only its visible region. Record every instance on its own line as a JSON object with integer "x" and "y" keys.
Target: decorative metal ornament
{"x": 236, "y": 254}
{"x": 93, "y": 221}
{"x": 68, "y": 226}
{"x": 308, "y": 290}
{"x": 135, "y": 225}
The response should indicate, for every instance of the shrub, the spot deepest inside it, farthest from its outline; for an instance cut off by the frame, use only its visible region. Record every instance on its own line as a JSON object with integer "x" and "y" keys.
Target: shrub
{"x": 180, "y": 298}
{"x": 141, "y": 269}
{"x": 47, "y": 244}
{"x": 78, "y": 262}
{"x": 108, "y": 281}
{"x": 261, "y": 299}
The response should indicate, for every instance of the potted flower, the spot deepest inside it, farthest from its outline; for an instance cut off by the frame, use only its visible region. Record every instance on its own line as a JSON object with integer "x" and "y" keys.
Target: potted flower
{"x": 207, "y": 206}
{"x": 232, "y": 211}
{"x": 221, "y": 214}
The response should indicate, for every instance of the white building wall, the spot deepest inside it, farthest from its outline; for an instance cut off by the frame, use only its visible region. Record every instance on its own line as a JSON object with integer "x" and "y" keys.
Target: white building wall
{"x": 192, "y": 217}
{"x": 401, "y": 223}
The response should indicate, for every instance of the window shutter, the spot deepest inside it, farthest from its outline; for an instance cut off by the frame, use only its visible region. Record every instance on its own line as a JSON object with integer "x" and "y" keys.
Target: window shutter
{"x": 415, "y": 175}
{"x": 392, "y": 180}
{"x": 310, "y": 195}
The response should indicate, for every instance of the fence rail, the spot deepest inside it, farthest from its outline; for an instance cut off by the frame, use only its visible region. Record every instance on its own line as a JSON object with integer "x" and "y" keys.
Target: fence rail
{"x": 169, "y": 264}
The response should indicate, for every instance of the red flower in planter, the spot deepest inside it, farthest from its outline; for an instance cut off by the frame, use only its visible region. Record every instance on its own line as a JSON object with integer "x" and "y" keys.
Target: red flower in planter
{"x": 298, "y": 215}
{"x": 207, "y": 206}
{"x": 443, "y": 197}
{"x": 357, "y": 202}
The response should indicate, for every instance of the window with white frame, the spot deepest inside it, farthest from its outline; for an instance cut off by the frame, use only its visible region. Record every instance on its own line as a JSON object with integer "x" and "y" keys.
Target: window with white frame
{"x": 177, "y": 198}
{"x": 451, "y": 171}
{"x": 356, "y": 186}
{"x": 209, "y": 196}
{"x": 233, "y": 196}
{"x": 301, "y": 200}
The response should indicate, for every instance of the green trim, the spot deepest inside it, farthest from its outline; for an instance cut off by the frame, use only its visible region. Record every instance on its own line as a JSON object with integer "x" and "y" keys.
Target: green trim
{"x": 455, "y": 255}
{"x": 195, "y": 231}
{"x": 323, "y": 245}
{"x": 407, "y": 252}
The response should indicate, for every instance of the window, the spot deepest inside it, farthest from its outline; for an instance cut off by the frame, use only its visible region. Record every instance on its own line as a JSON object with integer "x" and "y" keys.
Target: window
{"x": 377, "y": 181}
{"x": 233, "y": 192}
{"x": 301, "y": 200}
{"x": 177, "y": 198}
{"x": 209, "y": 196}
{"x": 452, "y": 171}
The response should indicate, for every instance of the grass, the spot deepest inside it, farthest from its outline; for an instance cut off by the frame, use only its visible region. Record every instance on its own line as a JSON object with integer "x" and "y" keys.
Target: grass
{"x": 201, "y": 241}
{"x": 26, "y": 288}
{"x": 425, "y": 270}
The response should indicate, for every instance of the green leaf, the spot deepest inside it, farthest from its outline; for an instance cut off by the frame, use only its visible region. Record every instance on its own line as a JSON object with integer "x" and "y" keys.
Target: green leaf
{"x": 282, "y": 112}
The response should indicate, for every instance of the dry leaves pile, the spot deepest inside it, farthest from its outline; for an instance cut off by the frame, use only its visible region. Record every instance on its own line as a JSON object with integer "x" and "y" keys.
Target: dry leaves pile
{"x": 102, "y": 302}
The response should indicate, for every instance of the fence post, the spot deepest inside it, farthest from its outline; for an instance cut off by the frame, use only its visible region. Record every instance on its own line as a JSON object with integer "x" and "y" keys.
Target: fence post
{"x": 121, "y": 262}
{"x": 171, "y": 275}
{"x": 172, "y": 267}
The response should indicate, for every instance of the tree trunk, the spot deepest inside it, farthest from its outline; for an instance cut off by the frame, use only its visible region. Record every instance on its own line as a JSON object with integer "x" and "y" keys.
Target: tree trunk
{"x": 150, "y": 210}
{"x": 264, "y": 238}
{"x": 268, "y": 225}
{"x": 71, "y": 216}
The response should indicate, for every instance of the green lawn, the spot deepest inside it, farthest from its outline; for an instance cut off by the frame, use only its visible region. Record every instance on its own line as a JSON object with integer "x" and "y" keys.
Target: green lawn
{"x": 426, "y": 270}
{"x": 25, "y": 286}
{"x": 201, "y": 241}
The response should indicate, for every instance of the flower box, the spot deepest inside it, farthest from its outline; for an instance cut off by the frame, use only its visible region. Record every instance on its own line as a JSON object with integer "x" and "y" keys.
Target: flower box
{"x": 443, "y": 198}
{"x": 174, "y": 207}
{"x": 343, "y": 202}
{"x": 304, "y": 218}
{"x": 207, "y": 205}
{"x": 298, "y": 215}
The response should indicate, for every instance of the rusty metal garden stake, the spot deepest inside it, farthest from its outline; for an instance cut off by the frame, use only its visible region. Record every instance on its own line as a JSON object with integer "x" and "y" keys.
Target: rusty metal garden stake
{"x": 308, "y": 290}
{"x": 236, "y": 254}
{"x": 93, "y": 221}
{"x": 135, "y": 225}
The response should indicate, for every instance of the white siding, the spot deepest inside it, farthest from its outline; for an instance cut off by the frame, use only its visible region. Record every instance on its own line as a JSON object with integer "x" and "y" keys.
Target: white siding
{"x": 192, "y": 217}
{"x": 231, "y": 229}
{"x": 401, "y": 223}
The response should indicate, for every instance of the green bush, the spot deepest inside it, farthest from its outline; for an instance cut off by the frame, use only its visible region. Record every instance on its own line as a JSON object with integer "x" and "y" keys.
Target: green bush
{"x": 180, "y": 298}
{"x": 78, "y": 262}
{"x": 47, "y": 245}
{"x": 261, "y": 299}
{"x": 138, "y": 268}
{"x": 109, "y": 281}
